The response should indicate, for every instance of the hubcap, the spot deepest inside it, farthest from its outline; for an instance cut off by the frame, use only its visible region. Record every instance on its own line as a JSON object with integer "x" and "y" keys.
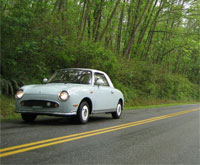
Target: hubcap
{"x": 119, "y": 109}
{"x": 85, "y": 112}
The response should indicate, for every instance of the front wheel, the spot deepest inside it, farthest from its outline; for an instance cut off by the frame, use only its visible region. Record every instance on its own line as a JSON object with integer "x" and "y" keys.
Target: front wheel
{"x": 28, "y": 117}
{"x": 83, "y": 112}
{"x": 118, "y": 112}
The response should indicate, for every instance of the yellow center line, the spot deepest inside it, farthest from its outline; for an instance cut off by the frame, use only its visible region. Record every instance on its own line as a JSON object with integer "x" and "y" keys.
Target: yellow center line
{"x": 68, "y": 136}
{"x": 72, "y": 137}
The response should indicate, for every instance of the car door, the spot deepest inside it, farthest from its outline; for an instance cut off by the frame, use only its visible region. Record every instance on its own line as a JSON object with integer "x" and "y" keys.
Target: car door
{"x": 103, "y": 94}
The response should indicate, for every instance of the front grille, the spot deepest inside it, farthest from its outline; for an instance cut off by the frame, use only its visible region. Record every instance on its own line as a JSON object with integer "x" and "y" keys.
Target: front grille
{"x": 39, "y": 103}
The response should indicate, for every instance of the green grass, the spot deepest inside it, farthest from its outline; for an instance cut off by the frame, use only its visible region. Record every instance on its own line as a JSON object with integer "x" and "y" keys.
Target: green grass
{"x": 141, "y": 103}
{"x": 7, "y": 108}
{"x": 159, "y": 105}
{"x": 8, "y": 105}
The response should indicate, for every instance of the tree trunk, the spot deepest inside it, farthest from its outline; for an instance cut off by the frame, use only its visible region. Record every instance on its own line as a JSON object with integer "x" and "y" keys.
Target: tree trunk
{"x": 148, "y": 19}
{"x": 144, "y": 27}
{"x": 160, "y": 55}
{"x": 60, "y": 4}
{"x": 81, "y": 19}
{"x": 134, "y": 32}
{"x": 127, "y": 31}
{"x": 89, "y": 27}
{"x": 166, "y": 37}
{"x": 109, "y": 21}
{"x": 97, "y": 21}
{"x": 177, "y": 62}
{"x": 85, "y": 19}
{"x": 150, "y": 33}
{"x": 120, "y": 28}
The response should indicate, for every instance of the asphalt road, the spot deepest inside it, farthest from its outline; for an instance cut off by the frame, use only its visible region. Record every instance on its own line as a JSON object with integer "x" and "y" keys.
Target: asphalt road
{"x": 168, "y": 135}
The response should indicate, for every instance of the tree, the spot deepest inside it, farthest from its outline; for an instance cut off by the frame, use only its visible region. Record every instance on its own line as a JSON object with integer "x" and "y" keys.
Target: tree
{"x": 127, "y": 48}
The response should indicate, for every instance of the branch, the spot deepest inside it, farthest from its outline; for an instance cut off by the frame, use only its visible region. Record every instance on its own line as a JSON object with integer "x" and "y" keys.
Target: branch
{"x": 173, "y": 49}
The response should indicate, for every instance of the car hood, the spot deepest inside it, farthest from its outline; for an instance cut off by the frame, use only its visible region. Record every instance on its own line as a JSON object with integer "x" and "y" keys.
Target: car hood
{"x": 50, "y": 88}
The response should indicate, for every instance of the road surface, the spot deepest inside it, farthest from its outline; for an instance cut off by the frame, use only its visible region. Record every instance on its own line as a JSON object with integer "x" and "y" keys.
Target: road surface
{"x": 167, "y": 135}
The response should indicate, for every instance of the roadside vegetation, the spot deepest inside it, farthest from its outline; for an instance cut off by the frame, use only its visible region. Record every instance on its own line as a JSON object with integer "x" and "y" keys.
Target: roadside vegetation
{"x": 8, "y": 105}
{"x": 7, "y": 108}
{"x": 150, "y": 49}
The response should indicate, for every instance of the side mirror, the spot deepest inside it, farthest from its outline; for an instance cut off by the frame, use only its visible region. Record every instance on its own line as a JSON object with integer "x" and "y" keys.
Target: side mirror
{"x": 99, "y": 82}
{"x": 44, "y": 80}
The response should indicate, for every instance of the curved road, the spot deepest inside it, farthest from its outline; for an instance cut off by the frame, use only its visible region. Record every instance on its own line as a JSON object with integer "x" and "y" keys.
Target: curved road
{"x": 168, "y": 135}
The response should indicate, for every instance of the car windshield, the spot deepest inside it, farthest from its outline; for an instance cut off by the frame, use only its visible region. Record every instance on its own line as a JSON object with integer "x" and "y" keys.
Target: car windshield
{"x": 71, "y": 76}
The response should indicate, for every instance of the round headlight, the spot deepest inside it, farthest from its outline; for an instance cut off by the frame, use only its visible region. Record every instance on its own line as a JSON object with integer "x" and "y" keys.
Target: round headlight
{"x": 19, "y": 94}
{"x": 63, "y": 96}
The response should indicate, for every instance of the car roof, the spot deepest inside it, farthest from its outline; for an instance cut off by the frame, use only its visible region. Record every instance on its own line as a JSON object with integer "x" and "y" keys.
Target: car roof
{"x": 92, "y": 70}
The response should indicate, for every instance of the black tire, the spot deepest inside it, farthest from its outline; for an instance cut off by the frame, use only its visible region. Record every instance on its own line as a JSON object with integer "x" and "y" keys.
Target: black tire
{"x": 83, "y": 112}
{"x": 118, "y": 112}
{"x": 28, "y": 117}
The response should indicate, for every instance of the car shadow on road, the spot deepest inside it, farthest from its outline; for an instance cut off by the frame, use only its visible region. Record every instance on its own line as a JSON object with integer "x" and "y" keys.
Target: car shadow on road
{"x": 70, "y": 120}
{"x": 57, "y": 121}
{"x": 54, "y": 121}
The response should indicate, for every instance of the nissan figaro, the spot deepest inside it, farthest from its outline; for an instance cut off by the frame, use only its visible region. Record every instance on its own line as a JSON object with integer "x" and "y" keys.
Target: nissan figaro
{"x": 70, "y": 92}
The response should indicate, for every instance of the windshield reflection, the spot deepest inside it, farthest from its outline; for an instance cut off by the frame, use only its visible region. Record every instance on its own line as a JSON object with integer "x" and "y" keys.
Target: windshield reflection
{"x": 71, "y": 76}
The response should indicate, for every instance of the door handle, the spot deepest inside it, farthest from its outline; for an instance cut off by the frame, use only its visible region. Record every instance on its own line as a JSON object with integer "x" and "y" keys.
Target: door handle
{"x": 112, "y": 92}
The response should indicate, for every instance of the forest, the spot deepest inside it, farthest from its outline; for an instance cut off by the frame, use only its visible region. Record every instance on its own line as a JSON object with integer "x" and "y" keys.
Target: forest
{"x": 149, "y": 48}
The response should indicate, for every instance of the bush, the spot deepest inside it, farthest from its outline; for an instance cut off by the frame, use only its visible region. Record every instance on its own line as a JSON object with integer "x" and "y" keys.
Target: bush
{"x": 7, "y": 107}
{"x": 9, "y": 87}
{"x": 141, "y": 80}
{"x": 176, "y": 87}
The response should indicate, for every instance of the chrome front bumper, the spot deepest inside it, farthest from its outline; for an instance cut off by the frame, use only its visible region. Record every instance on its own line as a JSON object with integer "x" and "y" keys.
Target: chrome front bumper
{"x": 48, "y": 113}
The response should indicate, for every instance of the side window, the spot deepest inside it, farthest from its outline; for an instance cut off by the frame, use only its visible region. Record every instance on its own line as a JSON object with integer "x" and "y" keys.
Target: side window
{"x": 102, "y": 77}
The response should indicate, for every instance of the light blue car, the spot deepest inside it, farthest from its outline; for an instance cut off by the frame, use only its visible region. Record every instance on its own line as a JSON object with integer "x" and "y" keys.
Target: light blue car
{"x": 70, "y": 92}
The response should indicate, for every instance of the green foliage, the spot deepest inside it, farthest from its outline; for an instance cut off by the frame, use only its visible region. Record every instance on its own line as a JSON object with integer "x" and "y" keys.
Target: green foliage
{"x": 176, "y": 87}
{"x": 7, "y": 107}
{"x": 142, "y": 79}
{"x": 9, "y": 87}
{"x": 38, "y": 38}
{"x": 90, "y": 55}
